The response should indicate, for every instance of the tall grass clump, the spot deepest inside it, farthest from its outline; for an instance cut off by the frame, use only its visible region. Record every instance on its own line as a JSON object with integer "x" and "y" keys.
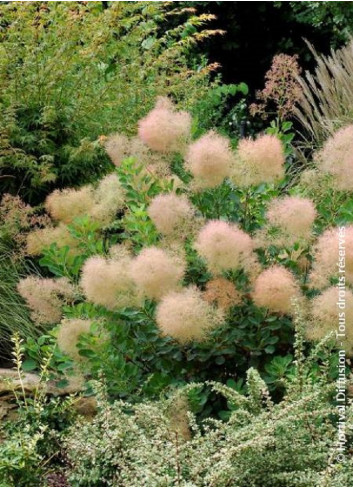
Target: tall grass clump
{"x": 14, "y": 315}
{"x": 326, "y": 102}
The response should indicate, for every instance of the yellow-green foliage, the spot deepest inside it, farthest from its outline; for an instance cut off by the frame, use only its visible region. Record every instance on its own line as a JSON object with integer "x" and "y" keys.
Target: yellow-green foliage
{"x": 73, "y": 72}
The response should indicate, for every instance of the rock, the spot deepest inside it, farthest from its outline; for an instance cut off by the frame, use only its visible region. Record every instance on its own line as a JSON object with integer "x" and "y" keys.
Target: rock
{"x": 31, "y": 382}
{"x": 6, "y": 409}
{"x": 9, "y": 380}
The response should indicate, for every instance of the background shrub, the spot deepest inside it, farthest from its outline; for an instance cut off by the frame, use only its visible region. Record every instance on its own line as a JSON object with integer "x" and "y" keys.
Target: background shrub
{"x": 70, "y": 73}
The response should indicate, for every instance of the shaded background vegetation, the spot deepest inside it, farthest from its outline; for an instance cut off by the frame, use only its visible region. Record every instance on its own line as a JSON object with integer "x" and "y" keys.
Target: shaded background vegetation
{"x": 256, "y": 31}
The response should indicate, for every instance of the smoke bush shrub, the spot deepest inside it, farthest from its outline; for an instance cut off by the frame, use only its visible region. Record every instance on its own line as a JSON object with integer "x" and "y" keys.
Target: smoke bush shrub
{"x": 206, "y": 290}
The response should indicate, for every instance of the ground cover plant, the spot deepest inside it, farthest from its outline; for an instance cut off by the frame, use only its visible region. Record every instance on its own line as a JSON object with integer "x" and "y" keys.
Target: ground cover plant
{"x": 165, "y": 443}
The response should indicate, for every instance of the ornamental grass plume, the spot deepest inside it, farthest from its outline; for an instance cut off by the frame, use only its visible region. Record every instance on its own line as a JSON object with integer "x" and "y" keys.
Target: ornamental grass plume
{"x": 69, "y": 334}
{"x": 258, "y": 161}
{"x": 172, "y": 214}
{"x": 224, "y": 246}
{"x": 326, "y": 253}
{"x": 185, "y": 316}
{"x": 65, "y": 205}
{"x": 209, "y": 159}
{"x": 46, "y": 297}
{"x": 336, "y": 158}
{"x": 290, "y": 219}
{"x": 106, "y": 282}
{"x": 222, "y": 293}
{"x": 164, "y": 129}
{"x": 332, "y": 311}
{"x": 276, "y": 289}
{"x": 156, "y": 272}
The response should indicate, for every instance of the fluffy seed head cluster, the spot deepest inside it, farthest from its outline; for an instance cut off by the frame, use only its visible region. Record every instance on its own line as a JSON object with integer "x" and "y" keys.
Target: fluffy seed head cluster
{"x": 185, "y": 316}
{"x": 336, "y": 158}
{"x": 46, "y": 297}
{"x": 120, "y": 251}
{"x": 156, "y": 272}
{"x": 20, "y": 219}
{"x": 159, "y": 169}
{"x": 178, "y": 415}
{"x": 119, "y": 147}
{"x": 69, "y": 334}
{"x": 258, "y": 161}
{"x": 275, "y": 289}
{"x": 293, "y": 215}
{"x": 106, "y": 282}
{"x": 325, "y": 314}
{"x": 109, "y": 197}
{"x": 65, "y": 205}
{"x": 326, "y": 255}
{"x": 222, "y": 293}
{"x": 172, "y": 214}
{"x": 164, "y": 129}
{"x": 224, "y": 246}
{"x": 41, "y": 238}
{"x": 209, "y": 159}
{"x": 101, "y": 203}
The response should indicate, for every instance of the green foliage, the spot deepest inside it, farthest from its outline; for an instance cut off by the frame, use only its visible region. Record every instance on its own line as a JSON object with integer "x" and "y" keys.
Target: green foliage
{"x": 229, "y": 202}
{"x": 332, "y": 17}
{"x": 137, "y": 361}
{"x": 19, "y": 456}
{"x": 335, "y": 207}
{"x": 56, "y": 103}
{"x": 60, "y": 367}
{"x": 224, "y": 107}
{"x": 140, "y": 188}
